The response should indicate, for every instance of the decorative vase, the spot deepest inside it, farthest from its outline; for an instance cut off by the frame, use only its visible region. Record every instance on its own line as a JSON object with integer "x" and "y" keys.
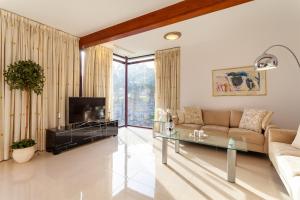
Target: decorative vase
{"x": 23, "y": 155}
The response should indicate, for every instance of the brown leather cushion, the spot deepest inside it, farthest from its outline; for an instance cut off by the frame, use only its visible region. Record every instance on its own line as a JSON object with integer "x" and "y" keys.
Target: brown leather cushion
{"x": 216, "y": 117}
{"x": 250, "y": 136}
{"x": 188, "y": 126}
{"x": 235, "y": 118}
{"x": 215, "y": 130}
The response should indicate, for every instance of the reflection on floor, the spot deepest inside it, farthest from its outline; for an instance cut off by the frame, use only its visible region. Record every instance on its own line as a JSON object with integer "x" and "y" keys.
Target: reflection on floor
{"x": 129, "y": 167}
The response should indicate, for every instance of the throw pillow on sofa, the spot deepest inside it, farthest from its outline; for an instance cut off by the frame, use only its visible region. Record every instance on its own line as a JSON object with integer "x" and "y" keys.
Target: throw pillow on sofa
{"x": 296, "y": 142}
{"x": 180, "y": 116}
{"x": 252, "y": 119}
{"x": 193, "y": 115}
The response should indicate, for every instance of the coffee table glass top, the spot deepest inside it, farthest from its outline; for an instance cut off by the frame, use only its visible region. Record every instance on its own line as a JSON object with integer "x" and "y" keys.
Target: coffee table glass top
{"x": 210, "y": 138}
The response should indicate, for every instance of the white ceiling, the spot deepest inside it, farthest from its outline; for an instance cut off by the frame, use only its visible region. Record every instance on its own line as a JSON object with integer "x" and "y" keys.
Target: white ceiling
{"x": 241, "y": 22}
{"x": 79, "y": 17}
{"x": 83, "y": 17}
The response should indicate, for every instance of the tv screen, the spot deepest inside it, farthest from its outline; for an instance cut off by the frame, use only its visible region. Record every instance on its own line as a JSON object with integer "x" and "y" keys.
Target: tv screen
{"x": 86, "y": 109}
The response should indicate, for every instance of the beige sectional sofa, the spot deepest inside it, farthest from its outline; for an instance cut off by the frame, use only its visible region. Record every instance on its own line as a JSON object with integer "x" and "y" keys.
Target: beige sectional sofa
{"x": 226, "y": 123}
{"x": 286, "y": 159}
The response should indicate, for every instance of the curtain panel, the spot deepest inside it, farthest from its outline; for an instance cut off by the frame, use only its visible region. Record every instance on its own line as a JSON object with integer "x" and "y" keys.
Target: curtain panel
{"x": 58, "y": 53}
{"x": 97, "y": 74}
{"x": 167, "y": 79}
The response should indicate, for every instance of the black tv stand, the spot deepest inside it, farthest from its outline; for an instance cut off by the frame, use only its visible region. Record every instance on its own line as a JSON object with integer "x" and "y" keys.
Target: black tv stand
{"x": 58, "y": 140}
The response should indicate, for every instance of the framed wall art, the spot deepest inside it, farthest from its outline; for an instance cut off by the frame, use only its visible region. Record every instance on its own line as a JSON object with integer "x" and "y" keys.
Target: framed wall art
{"x": 239, "y": 81}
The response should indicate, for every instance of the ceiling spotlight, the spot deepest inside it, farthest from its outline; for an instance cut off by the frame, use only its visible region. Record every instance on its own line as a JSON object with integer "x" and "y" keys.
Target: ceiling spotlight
{"x": 172, "y": 36}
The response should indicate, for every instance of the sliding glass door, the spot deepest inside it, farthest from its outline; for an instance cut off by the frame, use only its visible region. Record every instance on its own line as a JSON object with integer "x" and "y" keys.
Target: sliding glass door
{"x": 133, "y": 91}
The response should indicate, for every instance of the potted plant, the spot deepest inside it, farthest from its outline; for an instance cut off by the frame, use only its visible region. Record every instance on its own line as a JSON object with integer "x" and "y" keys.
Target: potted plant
{"x": 23, "y": 150}
{"x": 28, "y": 76}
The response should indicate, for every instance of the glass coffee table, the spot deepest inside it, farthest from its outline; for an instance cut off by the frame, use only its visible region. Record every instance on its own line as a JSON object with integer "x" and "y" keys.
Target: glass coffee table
{"x": 209, "y": 138}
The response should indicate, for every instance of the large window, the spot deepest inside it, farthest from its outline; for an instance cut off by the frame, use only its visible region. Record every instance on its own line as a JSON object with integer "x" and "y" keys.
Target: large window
{"x": 141, "y": 85}
{"x": 137, "y": 91}
{"x": 118, "y": 92}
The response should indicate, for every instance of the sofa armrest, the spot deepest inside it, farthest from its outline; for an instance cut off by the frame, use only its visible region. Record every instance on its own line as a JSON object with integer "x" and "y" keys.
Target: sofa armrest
{"x": 269, "y": 127}
{"x": 266, "y": 134}
{"x": 282, "y": 135}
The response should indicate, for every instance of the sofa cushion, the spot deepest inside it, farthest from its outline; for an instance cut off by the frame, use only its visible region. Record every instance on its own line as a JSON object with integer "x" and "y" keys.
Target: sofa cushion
{"x": 180, "y": 116}
{"x": 279, "y": 149}
{"x": 290, "y": 165}
{"x": 250, "y": 136}
{"x": 188, "y": 126}
{"x": 235, "y": 118}
{"x": 216, "y": 117}
{"x": 252, "y": 119}
{"x": 286, "y": 160}
{"x": 215, "y": 130}
{"x": 193, "y": 115}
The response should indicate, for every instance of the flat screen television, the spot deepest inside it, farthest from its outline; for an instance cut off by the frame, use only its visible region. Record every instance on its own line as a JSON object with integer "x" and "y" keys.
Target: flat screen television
{"x": 86, "y": 109}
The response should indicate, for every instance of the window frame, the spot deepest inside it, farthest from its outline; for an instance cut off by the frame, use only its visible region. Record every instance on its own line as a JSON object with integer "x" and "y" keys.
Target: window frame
{"x": 127, "y": 62}
{"x": 125, "y": 83}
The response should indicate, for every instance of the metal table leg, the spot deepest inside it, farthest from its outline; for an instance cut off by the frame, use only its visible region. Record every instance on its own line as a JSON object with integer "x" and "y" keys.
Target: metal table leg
{"x": 164, "y": 150}
{"x": 231, "y": 165}
{"x": 177, "y": 146}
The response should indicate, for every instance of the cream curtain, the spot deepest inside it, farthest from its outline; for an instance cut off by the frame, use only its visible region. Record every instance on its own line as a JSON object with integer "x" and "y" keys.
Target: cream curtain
{"x": 167, "y": 79}
{"x": 97, "y": 74}
{"x": 58, "y": 53}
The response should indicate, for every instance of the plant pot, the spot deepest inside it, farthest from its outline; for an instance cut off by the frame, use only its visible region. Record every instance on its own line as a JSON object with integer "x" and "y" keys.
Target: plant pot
{"x": 23, "y": 155}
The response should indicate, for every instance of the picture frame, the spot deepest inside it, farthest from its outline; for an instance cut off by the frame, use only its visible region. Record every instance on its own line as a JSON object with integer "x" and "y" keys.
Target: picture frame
{"x": 239, "y": 81}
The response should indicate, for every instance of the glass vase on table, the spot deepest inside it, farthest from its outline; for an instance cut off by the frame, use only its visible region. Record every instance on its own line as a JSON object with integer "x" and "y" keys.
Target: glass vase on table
{"x": 170, "y": 123}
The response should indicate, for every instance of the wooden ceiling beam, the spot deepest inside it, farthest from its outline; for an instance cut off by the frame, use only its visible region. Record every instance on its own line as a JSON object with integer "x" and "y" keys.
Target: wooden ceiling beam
{"x": 169, "y": 15}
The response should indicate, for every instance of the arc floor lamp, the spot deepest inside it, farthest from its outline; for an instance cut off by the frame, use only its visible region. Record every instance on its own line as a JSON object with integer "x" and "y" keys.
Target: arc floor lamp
{"x": 268, "y": 61}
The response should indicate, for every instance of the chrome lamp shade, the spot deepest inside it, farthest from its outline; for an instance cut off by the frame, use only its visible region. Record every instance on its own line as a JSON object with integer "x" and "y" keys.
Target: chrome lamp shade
{"x": 266, "y": 62}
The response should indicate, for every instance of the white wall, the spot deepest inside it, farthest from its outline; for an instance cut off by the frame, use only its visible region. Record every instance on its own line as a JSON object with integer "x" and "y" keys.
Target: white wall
{"x": 239, "y": 42}
{"x": 231, "y": 38}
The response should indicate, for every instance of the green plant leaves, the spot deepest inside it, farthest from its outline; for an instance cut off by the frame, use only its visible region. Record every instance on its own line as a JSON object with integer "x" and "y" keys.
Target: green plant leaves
{"x": 25, "y": 75}
{"x": 23, "y": 144}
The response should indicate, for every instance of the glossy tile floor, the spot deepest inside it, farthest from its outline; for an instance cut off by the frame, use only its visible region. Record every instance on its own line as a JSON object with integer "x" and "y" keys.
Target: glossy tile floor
{"x": 129, "y": 167}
